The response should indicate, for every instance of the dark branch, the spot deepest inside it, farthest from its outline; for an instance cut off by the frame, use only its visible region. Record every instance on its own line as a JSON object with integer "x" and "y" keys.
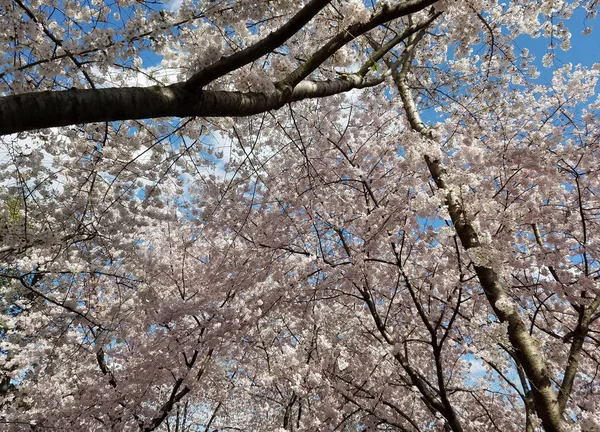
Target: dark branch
{"x": 259, "y": 49}
{"x": 40, "y": 110}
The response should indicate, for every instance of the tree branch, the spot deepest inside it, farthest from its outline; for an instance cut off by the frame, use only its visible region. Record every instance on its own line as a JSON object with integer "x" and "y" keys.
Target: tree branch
{"x": 579, "y": 336}
{"x": 176, "y": 396}
{"x": 256, "y": 51}
{"x": 388, "y": 13}
{"x": 40, "y": 110}
{"x": 526, "y": 346}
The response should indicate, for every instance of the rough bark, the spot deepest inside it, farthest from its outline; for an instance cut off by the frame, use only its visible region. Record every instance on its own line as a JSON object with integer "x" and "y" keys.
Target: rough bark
{"x": 40, "y": 110}
{"x": 579, "y": 335}
{"x": 525, "y": 345}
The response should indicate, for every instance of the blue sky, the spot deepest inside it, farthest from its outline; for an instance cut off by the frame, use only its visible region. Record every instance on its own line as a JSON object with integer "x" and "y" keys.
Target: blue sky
{"x": 585, "y": 49}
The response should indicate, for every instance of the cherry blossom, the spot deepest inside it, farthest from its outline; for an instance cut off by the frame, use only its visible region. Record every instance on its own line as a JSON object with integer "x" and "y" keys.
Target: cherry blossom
{"x": 285, "y": 216}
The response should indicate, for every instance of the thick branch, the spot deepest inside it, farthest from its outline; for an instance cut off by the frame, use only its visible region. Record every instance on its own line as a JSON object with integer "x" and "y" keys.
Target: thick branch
{"x": 349, "y": 34}
{"x": 259, "y": 49}
{"x": 407, "y": 32}
{"x": 526, "y": 346}
{"x": 40, "y": 110}
{"x": 579, "y": 335}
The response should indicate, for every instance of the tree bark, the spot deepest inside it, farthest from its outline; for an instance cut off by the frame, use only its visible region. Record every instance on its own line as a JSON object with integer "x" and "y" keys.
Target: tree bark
{"x": 526, "y": 346}
{"x": 40, "y": 110}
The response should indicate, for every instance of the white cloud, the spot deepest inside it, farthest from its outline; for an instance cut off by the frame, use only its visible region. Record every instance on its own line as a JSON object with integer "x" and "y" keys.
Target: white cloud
{"x": 173, "y": 5}
{"x": 145, "y": 77}
{"x": 477, "y": 367}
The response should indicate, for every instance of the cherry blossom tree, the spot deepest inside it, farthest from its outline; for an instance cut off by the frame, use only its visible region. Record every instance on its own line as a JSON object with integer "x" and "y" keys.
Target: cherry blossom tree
{"x": 282, "y": 216}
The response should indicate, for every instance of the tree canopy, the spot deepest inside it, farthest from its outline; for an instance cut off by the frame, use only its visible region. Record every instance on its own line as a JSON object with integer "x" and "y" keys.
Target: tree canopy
{"x": 324, "y": 215}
